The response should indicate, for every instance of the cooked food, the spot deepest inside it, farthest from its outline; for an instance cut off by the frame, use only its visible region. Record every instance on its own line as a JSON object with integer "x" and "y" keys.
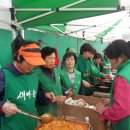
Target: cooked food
{"x": 60, "y": 124}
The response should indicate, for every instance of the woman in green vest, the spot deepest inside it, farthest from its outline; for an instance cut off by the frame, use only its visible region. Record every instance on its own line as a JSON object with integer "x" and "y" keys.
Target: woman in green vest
{"x": 118, "y": 113}
{"x": 18, "y": 88}
{"x": 70, "y": 77}
{"x": 85, "y": 66}
{"x": 98, "y": 61}
{"x": 96, "y": 66}
{"x": 49, "y": 78}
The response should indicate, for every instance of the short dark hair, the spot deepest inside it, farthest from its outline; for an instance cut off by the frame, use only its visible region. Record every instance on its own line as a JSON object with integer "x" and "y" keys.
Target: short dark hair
{"x": 46, "y": 51}
{"x": 97, "y": 55}
{"x": 16, "y": 44}
{"x": 69, "y": 54}
{"x": 128, "y": 43}
{"x": 67, "y": 49}
{"x": 117, "y": 48}
{"x": 94, "y": 51}
{"x": 86, "y": 47}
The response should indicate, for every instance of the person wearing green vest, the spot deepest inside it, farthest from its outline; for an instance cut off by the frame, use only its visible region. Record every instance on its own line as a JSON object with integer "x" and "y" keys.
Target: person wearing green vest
{"x": 84, "y": 65}
{"x": 118, "y": 53}
{"x": 98, "y": 67}
{"x": 70, "y": 77}
{"x": 49, "y": 77}
{"x": 70, "y": 49}
{"x": 106, "y": 65}
{"x": 98, "y": 61}
{"x": 18, "y": 88}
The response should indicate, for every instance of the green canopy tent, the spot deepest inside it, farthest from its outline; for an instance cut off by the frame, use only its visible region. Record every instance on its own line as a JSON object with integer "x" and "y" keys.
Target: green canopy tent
{"x": 42, "y": 13}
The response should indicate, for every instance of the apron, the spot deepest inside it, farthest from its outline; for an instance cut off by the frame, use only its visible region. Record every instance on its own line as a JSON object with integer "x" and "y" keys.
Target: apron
{"x": 20, "y": 90}
{"x": 48, "y": 85}
{"x": 66, "y": 82}
{"x": 123, "y": 71}
{"x": 96, "y": 70}
{"x": 106, "y": 63}
{"x": 83, "y": 65}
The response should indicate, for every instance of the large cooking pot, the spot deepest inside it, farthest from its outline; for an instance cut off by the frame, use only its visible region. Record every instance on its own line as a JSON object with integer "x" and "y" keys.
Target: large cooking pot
{"x": 64, "y": 124}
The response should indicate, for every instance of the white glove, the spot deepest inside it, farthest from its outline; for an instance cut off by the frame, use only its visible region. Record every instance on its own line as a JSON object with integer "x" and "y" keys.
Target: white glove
{"x": 9, "y": 108}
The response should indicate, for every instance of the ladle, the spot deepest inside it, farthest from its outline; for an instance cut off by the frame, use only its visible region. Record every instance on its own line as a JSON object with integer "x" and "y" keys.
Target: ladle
{"x": 45, "y": 118}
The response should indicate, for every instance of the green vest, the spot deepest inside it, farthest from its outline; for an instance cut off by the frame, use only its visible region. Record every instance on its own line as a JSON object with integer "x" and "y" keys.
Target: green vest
{"x": 123, "y": 71}
{"x": 48, "y": 85}
{"x": 20, "y": 90}
{"x": 106, "y": 63}
{"x": 66, "y": 82}
{"x": 96, "y": 70}
{"x": 84, "y": 67}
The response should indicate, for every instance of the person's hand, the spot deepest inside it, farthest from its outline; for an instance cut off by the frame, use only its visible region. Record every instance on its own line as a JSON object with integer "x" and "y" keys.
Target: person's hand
{"x": 71, "y": 92}
{"x": 100, "y": 108}
{"x": 106, "y": 101}
{"x": 86, "y": 84}
{"x": 9, "y": 108}
{"x": 50, "y": 95}
{"x": 107, "y": 76}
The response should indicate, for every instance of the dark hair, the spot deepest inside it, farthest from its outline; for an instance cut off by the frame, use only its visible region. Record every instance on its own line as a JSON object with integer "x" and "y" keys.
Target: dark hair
{"x": 67, "y": 49}
{"x": 46, "y": 51}
{"x": 94, "y": 51}
{"x": 69, "y": 54}
{"x": 128, "y": 43}
{"x": 117, "y": 48}
{"x": 16, "y": 44}
{"x": 86, "y": 47}
{"x": 97, "y": 55}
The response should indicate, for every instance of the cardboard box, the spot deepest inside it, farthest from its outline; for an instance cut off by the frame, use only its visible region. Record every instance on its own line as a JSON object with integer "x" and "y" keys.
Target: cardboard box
{"x": 80, "y": 112}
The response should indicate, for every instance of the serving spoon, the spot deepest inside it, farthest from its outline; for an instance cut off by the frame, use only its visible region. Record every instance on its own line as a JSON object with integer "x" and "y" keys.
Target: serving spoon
{"x": 45, "y": 118}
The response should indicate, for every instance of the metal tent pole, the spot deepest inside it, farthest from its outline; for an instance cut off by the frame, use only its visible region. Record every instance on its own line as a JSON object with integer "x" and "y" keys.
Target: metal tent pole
{"x": 52, "y": 11}
{"x": 67, "y": 9}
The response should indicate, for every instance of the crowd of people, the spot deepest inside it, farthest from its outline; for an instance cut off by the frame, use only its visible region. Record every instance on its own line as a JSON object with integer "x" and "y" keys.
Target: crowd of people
{"x": 34, "y": 83}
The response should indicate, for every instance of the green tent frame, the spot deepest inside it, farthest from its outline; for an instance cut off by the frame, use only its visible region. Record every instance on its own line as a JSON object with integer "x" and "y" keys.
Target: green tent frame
{"x": 41, "y": 14}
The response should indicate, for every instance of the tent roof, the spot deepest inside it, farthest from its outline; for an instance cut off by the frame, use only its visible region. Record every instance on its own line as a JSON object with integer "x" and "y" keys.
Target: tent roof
{"x": 37, "y": 13}
{"x": 106, "y": 27}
